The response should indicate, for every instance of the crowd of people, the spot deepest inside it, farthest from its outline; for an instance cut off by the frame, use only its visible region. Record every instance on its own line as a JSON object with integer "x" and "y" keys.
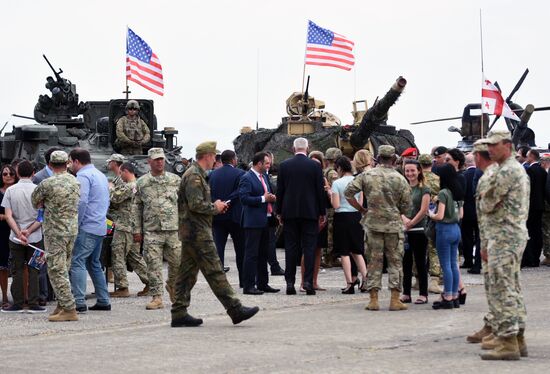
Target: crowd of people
{"x": 411, "y": 215}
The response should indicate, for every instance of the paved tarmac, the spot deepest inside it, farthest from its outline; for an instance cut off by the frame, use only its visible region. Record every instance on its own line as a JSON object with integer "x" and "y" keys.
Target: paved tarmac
{"x": 326, "y": 333}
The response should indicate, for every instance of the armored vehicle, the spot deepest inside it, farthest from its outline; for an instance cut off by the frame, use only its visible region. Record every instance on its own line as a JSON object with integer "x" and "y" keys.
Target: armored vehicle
{"x": 307, "y": 118}
{"x": 65, "y": 122}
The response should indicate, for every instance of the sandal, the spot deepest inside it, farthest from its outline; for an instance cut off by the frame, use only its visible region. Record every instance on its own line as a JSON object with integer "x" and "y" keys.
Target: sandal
{"x": 462, "y": 296}
{"x": 421, "y": 300}
{"x": 405, "y": 299}
{"x": 318, "y": 288}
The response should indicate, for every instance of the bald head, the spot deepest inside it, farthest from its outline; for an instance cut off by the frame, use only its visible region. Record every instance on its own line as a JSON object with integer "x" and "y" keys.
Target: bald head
{"x": 469, "y": 160}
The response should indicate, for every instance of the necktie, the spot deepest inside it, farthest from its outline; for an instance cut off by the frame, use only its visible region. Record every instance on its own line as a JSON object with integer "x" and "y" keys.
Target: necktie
{"x": 269, "y": 207}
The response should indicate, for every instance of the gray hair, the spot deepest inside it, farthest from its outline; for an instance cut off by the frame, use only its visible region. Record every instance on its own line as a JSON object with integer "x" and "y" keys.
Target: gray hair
{"x": 300, "y": 144}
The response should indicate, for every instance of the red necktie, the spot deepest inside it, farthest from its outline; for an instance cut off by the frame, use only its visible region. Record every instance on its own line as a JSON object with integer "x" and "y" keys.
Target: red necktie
{"x": 269, "y": 207}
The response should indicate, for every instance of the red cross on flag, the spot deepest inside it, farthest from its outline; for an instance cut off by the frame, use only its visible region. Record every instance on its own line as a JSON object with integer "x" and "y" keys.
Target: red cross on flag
{"x": 493, "y": 103}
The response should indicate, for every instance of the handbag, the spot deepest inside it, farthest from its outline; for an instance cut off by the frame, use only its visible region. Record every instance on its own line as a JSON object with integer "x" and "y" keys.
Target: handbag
{"x": 429, "y": 230}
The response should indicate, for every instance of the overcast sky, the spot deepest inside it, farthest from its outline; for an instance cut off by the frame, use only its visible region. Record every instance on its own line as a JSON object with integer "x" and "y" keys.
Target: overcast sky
{"x": 211, "y": 52}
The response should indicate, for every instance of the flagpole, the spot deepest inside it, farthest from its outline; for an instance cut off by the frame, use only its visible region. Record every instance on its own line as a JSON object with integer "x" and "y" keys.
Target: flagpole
{"x": 127, "y": 92}
{"x": 482, "y": 67}
{"x": 257, "y": 86}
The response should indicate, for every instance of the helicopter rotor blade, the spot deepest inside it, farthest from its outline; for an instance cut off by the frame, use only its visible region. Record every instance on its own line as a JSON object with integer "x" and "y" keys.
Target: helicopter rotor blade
{"x": 518, "y": 85}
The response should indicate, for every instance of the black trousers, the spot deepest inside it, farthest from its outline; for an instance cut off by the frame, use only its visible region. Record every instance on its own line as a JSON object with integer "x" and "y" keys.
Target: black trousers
{"x": 300, "y": 234}
{"x": 469, "y": 231}
{"x": 255, "y": 258}
{"x": 418, "y": 246}
{"x": 221, "y": 230}
{"x": 21, "y": 254}
{"x": 531, "y": 255}
{"x": 272, "y": 254}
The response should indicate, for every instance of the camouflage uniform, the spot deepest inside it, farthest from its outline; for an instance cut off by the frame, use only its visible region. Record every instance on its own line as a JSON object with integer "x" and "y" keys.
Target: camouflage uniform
{"x": 504, "y": 206}
{"x": 388, "y": 195}
{"x": 483, "y": 185}
{"x": 198, "y": 251}
{"x": 131, "y": 135}
{"x": 155, "y": 211}
{"x": 59, "y": 195}
{"x": 123, "y": 247}
{"x": 432, "y": 181}
{"x": 331, "y": 176}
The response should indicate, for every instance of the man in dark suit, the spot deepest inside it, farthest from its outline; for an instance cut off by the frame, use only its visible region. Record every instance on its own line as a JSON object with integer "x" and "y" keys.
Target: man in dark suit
{"x": 275, "y": 267}
{"x": 257, "y": 200}
{"x": 301, "y": 210}
{"x": 469, "y": 227}
{"x": 224, "y": 185}
{"x": 537, "y": 176}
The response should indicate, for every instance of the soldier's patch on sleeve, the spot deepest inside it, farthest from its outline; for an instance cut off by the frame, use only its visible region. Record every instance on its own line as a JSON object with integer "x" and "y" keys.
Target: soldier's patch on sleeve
{"x": 196, "y": 181}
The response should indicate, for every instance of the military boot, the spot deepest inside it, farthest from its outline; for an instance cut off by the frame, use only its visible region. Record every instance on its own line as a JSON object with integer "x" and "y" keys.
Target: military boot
{"x": 121, "y": 292}
{"x": 64, "y": 316}
{"x": 395, "y": 303}
{"x": 171, "y": 292}
{"x": 186, "y": 321}
{"x": 488, "y": 342}
{"x": 373, "y": 303}
{"x": 506, "y": 349}
{"x": 478, "y": 336}
{"x": 242, "y": 313}
{"x": 57, "y": 310}
{"x": 434, "y": 287}
{"x": 521, "y": 343}
{"x": 144, "y": 292}
{"x": 156, "y": 303}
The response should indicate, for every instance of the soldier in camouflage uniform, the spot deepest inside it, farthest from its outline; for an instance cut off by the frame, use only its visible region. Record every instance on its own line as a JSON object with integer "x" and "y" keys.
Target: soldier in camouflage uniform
{"x": 155, "y": 211}
{"x": 196, "y": 210}
{"x": 505, "y": 205}
{"x": 432, "y": 181}
{"x": 123, "y": 247}
{"x": 331, "y": 154}
{"x": 132, "y": 133}
{"x": 59, "y": 196}
{"x": 389, "y": 196}
{"x": 545, "y": 163}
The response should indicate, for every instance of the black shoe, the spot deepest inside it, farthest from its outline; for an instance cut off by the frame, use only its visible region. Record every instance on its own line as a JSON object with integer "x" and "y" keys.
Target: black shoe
{"x": 278, "y": 271}
{"x": 253, "y": 291}
{"x": 226, "y": 269}
{"x": 443, "y": 304}
{"x": 187, "y": 321}
{"x": 456, "y": 303}
{"x": 350, "y": 289}
{"x": 242, "y": 313}
{"x": 13, "y": 309}
{"x": 81, "y": 308}
{"x": 474, "y": 271}
{"x": 290, "y": 290}
{"x": 36, "y": 309}
{"x": 100, "y": 307}
{"x": 462, "y": 296}
{"x": 309, "y": 289}
{"x": 269, "y": 289}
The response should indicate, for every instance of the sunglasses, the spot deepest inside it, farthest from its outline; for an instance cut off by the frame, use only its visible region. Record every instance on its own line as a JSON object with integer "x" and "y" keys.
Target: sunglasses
{"x": 132, "y": 109}
{"x": 8, "y": 174}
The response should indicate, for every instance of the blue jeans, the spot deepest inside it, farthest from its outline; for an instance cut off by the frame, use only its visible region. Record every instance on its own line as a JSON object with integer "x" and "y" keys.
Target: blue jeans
{"x": 86, "y": 254}
{"x": 447, "y": 237}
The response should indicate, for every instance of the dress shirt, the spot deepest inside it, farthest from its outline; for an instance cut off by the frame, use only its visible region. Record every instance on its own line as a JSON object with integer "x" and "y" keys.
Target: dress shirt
{"x": 94, "y": 200}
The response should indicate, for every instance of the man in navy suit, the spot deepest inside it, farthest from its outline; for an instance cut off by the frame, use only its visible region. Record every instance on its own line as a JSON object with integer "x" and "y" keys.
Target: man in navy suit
{"x": 469, "y": 226}
{"x": 301, "y": 210}
{"x": 224, "y": 185}
{"x": 257, "y": 200}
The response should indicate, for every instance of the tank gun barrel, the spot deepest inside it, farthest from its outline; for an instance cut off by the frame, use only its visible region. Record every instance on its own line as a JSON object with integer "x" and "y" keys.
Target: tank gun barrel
{"x": 377, "y": 114}
{"x": 56, "y": 73}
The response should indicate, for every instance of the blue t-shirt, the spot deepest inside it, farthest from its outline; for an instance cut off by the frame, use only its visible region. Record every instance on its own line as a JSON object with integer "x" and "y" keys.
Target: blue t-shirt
{"x": 339, "y": 186}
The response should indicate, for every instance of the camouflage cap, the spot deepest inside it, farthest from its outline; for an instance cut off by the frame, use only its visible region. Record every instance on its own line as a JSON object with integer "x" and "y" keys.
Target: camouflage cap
{"x": 496, "y": 136}
{"x": 59, "y": 157}
{"x": 425, "y": 159}
{"x": 155, "y": 153}
{"x": 132, "y": 104}
{"x": 116, "y": 157}
{"x": 386, "y": 151}
{"x": 333, "y": 153}
{"x": 206, "y": 147}
{"x": 480, "y": 146}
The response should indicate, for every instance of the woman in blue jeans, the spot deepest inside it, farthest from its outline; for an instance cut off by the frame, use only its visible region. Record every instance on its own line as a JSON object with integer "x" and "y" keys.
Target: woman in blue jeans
{"x": 447, "y": 234}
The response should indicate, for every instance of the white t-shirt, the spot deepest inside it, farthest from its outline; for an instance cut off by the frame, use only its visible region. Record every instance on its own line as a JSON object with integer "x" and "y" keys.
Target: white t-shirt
{"x": 18, "y": 199}
{"x": 339, "y": 186}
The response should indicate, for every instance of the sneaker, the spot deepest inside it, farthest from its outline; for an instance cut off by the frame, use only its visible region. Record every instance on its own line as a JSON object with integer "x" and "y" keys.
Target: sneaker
{"x": 12, "y": 309}
{"x": 36, "y": 309}
{"x": 81, "y": 308}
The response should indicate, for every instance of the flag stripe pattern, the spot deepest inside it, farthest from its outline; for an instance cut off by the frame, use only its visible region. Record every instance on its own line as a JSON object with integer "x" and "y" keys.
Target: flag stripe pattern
{"x": 326, "y": 48}
{"x": 493, "y": 103}
{"x": 142, "y": 65}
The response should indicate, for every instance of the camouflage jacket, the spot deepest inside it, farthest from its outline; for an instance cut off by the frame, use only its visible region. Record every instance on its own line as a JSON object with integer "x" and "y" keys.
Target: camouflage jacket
{"x": 432, "y": 180}
{"x": 59, "y": 195}
{"x": 122, "y": 200}
{"x": 483, "y": 219}
{"x": 505, "y": 204}
{"x": 132, "y": 132}
{"x": 330, "y": 174}
{"x": 195, "y": 205}
{"x": 155, "y": 205}
{"x": 388, "y": 196}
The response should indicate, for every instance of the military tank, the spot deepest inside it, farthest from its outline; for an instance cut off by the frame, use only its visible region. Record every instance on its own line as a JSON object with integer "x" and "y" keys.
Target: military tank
{"x": 64, "y": 121}
{"x": 307, "y": 118}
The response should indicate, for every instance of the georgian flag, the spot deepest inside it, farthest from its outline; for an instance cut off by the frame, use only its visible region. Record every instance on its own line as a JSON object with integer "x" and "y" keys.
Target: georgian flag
{"x": 493, "y": 103}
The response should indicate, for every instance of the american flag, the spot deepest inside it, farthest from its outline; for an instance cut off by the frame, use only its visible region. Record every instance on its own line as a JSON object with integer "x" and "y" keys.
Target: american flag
{"x": 142, "y": 65}
{"x": 327, "y": 48}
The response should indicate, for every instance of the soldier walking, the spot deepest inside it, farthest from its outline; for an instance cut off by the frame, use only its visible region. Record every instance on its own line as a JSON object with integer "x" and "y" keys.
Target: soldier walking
{"x": 196, "y": 210}
{"x": 59, "y": 196}
{"x": 132, "y": 133}
{"x": 155, "y": 211}
{"x": 389, "y": 196}
{"x": 504, "y": 206}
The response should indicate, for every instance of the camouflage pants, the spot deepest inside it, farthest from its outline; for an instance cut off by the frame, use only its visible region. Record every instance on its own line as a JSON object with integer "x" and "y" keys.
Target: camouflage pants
{"x": 546, "y": 233}
{"x": 505, "y": 296}
{"x": 58, "y": 256}
{"x": 124, "y": 249}
{"x": 391, "y": 245}
{"x": 201, "y": 255}
{"x": 327, "y": 252}
{"x": 158, "y": 245}
{"x": 488, "y": 319}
